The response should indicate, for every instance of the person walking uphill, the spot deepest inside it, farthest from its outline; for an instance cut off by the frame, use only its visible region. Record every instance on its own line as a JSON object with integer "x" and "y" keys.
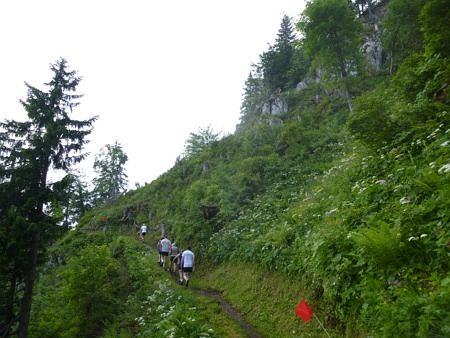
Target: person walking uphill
{"x": 165, "y": 247}
{"x": 142, "y": 232}
{"x": 174, "y": 258}
{"x": 158, "y": 247}
{"x": 187, "y": 265}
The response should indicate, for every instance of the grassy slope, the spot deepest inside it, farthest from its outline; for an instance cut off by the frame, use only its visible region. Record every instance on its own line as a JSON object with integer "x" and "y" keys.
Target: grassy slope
{"x": 136, "y": 298}
{"x": 267, "y": 299}
{"x": 306, "y": 211}
{"x": 366, "y": 230}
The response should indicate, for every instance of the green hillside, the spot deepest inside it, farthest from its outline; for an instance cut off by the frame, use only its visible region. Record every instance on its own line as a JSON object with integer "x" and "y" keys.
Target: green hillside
{"x": 342, "y": 199}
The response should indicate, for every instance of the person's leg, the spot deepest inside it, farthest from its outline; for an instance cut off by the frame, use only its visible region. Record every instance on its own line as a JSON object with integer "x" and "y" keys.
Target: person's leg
{"x": 171, "y": 264}
{"x": 180, "y": 275}
{"x": 165, "y": 255}
{"x": 174, "y": 266}
{"x": 167, "y": 265}
{"x": 186, "y": 276}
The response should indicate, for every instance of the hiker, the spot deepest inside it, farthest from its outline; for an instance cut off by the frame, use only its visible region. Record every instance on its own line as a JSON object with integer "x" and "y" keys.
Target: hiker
{"x": 187, "y": 265}
{"x": 180, "y": 273}
{"x": 142, "y": 232}
{"x": 165, "y": 247}
{"x": 158, "y": 247}
{"x": 174, "y": 257}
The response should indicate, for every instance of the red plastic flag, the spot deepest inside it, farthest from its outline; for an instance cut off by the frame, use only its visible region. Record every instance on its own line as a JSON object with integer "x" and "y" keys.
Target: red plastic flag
{"x": 304, "y": 311}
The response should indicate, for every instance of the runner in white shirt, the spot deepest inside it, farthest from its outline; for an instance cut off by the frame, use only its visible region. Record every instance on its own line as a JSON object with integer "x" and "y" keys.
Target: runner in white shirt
{"x": 187, "y": 265}
{"x": 142, "y": 232}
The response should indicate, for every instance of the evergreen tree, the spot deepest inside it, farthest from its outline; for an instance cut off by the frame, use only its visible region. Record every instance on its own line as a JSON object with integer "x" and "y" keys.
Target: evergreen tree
{"x": 111, "y": 180}
{"x": 49, "y": 139}
{"x": 254, "y": 93}
{"x": 276, "y": 61}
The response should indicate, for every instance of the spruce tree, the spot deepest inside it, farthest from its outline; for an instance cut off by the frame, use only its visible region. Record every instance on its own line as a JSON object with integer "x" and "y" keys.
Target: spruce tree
{"x": 49, "y": 139}
{"x": 276, "y": 61}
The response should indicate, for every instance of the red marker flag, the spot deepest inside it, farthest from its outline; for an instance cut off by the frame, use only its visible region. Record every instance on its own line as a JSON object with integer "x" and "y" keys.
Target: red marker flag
{"x": 304, "y": 311}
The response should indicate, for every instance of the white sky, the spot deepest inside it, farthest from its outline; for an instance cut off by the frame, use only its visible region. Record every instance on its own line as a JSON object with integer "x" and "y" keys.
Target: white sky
{"x": 154, "y": 71}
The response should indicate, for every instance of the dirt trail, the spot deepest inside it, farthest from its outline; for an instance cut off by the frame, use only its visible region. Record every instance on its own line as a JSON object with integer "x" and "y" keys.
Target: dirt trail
{"x": 232, "y": 312}
{"x": 226, "y": 307}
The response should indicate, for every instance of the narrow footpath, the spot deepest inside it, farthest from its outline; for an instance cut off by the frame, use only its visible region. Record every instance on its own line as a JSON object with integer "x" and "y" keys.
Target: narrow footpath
{"x": 232, "y": 312}
{"x": 224, "y": 305}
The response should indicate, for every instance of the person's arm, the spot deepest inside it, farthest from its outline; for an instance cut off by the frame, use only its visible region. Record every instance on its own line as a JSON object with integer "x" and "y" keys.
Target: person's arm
{"x": 193, "y": 262}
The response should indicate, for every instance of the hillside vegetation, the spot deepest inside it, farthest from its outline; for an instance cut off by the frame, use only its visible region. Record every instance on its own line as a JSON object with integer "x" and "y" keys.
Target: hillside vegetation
{"x": 342, "y": 199}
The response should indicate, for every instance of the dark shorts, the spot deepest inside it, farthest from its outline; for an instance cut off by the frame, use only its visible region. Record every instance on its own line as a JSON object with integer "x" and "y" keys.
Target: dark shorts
{"x": 143, "y": 234}
{"x": 172, "y": 259}
{"x": 187, "y": 268}
{"x": 163, "y": 253}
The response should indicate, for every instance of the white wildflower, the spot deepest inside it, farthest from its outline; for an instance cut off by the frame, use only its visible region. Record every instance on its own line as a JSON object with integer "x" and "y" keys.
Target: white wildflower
{"x": 381, "y": 182}
{"x": 423, "y": 235}
{"x": 446, "y": 143}
{"x": 432, "y": 164}
{"x": 444, "y": 169}
{"x": 329, "y": 212}
{"x": 404, "y": 200}
{"x": 412, "y": 238}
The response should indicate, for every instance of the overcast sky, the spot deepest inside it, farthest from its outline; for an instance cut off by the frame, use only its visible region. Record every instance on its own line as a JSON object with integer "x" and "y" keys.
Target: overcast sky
{"x": 154, "y": 71}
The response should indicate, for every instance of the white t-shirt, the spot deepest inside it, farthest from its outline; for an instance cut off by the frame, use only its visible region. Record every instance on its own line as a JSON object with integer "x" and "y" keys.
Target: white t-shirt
{"x": 187, "y": 259}
{"x": 143, "y": 229}
{"x": 165, "y": 245}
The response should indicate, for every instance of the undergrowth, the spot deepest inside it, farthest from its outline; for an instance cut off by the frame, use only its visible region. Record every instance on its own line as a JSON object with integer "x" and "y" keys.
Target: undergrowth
{"x": 104, "y": 285}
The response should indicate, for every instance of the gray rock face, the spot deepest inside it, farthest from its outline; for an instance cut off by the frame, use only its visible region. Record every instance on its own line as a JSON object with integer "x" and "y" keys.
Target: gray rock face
{"x": 279, "y": 106}
{"x": 274, "y": 106}
{"x": 304, "y": 84}
{"x": 373, "y": 50}
{"x": 372, "y": 47}
{"x": 266, "y": 108}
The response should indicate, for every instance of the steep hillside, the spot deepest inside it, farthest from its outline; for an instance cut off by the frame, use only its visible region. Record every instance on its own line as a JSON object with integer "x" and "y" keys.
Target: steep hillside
{"x": 336, "y": 191}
